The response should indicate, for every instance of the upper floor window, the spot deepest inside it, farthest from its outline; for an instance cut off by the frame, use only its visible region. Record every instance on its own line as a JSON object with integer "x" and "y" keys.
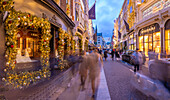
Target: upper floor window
{"x": 77, "y": 16}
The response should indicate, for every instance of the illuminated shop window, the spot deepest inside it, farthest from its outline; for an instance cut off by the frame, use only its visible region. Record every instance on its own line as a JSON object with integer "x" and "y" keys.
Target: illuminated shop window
{"x": 156, "y": 42}
{"x": 141, "y": 43}
{"x": 167, "y": 41}
{"x": 28, "y": 46}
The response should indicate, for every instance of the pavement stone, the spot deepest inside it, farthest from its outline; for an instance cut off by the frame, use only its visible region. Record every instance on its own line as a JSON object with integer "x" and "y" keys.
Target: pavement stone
{"x": 118, "y": 78}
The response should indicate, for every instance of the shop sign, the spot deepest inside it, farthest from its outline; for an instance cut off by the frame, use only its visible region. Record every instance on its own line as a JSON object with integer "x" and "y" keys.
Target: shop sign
{"x": 52, "y": 20}
{"x": 149, "y": 29}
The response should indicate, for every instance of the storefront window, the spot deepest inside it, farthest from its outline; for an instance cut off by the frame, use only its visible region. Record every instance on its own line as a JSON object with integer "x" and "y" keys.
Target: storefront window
{"x": 131, "y": 42}
{"x": 167, "y": 41}
{"x": 28, "y": 46}
{"x": 141, "y": 43}
{"x": 156, "y": 42}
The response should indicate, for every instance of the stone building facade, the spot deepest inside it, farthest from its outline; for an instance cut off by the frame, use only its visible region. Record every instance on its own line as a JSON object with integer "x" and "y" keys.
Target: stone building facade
{"x": 148, "y": 25}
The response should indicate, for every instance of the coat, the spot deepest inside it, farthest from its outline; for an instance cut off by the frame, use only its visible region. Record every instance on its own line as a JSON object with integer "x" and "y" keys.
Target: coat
{"x": 83, "y": 67}
{"x": 94, "y": 65}
{"x": 137, "y": 58}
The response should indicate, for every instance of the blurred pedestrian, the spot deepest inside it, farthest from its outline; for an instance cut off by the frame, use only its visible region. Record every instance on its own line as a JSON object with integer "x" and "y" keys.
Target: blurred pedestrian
{"x": 83, "y": 69}
{"x": 95, "y": 63}
{"x": 100, "y": 52}
{"x": 143, "y": 56}
{"x": 137, "y": 58}
{"x": 112, "y": 54}
{"x": 105, "y": 55}
{"x": 117, "y": 54}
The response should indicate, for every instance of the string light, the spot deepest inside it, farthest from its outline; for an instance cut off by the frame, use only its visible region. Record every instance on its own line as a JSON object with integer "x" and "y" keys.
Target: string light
{"x": 25, "y": 20}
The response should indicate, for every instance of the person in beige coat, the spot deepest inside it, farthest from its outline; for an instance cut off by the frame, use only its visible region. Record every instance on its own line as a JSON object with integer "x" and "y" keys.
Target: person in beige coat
{"x": 95, "y": 62}
{"x": 83, "y": 69}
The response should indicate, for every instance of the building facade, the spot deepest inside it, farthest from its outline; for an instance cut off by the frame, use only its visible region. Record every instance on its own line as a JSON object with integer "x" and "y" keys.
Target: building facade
{"x": 148, "y": 25}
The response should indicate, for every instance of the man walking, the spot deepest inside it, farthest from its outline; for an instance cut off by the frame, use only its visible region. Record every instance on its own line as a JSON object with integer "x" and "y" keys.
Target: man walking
{"x": 137, "y": 58}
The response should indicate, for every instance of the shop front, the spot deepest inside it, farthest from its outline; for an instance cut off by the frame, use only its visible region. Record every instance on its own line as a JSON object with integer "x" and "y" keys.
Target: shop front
{"x": 33, "y": 38}
{"x": 167, "y": 37}
{"x": 150, "y": 39}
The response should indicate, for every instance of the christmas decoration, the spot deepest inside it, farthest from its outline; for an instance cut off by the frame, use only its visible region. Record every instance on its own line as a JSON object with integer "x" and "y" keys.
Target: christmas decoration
{"x": 61, "y": 48}
{"x": 86, "y": 44}
{"x": 80, "y": 42}
{"x": 6, "y": 5}
{"x": 16, "y": 21}
{"x": 68, "y": 9}
{"x": 68, "y": 40}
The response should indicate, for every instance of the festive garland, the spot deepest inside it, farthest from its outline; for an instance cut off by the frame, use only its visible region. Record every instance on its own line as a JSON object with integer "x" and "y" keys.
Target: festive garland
{"x": 16, "y": 21}
{"x": 6, "y": 5}
{"x": 86, "y": 44}
{"x": 80, "y": 42}
{"x": 73, "y": 44}
{"x": 68, "y": 9}
{"x": 61, "y": 48}
{"x": 68, "y": 40}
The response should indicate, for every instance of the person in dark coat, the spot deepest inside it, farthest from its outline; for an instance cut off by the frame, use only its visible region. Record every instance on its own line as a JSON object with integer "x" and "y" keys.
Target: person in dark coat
{"x": 112, "y": 54}
{"x": 117, "y": 54}
{"x": 105, "y": 55}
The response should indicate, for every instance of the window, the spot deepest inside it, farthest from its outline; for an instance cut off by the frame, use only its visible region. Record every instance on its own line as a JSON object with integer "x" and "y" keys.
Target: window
{"x": 167, "y": 41}
{"x": 77, "y": 16}
{"x": 156, "y": 42}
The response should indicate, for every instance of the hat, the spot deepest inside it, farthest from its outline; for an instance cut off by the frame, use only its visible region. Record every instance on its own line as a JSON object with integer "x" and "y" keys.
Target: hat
{"x": 137, "y": 48}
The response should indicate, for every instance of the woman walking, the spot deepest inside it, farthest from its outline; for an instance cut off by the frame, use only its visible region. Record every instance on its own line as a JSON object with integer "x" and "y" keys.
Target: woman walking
{"x": 95, "y": 62}
{"x": 83, "y": 69}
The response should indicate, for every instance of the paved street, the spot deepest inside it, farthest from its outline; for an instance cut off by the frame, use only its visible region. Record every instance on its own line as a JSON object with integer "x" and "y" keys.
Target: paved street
{"x": 119, "y": 82}
{"x": 116, "y": 85}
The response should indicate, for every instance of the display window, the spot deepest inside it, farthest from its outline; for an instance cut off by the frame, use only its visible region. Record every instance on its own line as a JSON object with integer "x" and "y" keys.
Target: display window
{"x": 28, "y": 46}
{"x": 141, "y": 43}
{"x": 156, "y": 42}
{"x": 167, "y": 42}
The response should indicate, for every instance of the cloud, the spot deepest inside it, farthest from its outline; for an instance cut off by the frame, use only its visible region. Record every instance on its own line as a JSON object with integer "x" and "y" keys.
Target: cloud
{"x": 106, "y": 12}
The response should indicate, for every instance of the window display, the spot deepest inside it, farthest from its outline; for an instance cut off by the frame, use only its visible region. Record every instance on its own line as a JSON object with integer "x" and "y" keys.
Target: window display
{"x": 28, "y": 46}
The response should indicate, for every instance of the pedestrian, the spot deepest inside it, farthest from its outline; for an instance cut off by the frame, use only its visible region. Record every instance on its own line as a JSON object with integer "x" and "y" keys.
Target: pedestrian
{"x": 83, "y": 69}
{"x": 138, "y": 60}
{"x": 112, "y": 54}
{"x": 95, "y": 62}
{"x": 100, "y": 52}
{"x": 105, "y": 55}
{"x": 117, "y": 54}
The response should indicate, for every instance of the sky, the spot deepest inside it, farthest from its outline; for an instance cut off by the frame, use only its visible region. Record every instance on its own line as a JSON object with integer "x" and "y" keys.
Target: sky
{"x": 106, "y": 12}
